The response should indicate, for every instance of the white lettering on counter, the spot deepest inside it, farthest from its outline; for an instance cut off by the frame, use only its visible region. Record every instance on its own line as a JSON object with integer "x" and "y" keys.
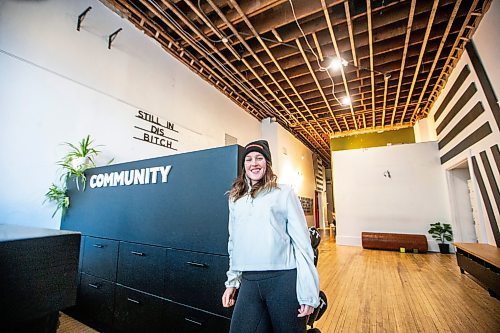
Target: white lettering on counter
{"x": 131, "y": 177}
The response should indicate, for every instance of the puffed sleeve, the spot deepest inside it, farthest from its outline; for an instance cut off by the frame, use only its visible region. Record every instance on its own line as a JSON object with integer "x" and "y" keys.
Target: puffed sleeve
{"x": 307, "y": 275}
{"x": 233, "y": 277}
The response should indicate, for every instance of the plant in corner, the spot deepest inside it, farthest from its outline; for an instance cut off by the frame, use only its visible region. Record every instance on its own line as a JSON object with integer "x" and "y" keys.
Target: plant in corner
{"x": 59, "y": 196}
{"x": 441, "y": 233}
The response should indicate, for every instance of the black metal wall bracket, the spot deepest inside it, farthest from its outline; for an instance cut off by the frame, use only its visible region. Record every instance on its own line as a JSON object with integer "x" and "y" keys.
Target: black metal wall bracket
{"x": 81, "y": 17}
{"x": 112, "y": 37}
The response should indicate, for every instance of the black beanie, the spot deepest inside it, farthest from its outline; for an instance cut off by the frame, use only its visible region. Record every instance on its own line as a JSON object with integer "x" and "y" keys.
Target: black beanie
{"x": 260, "y": 146}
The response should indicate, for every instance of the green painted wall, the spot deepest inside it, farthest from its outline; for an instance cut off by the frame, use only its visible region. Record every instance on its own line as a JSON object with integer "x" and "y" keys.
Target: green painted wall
{"x": 405, "y": 135}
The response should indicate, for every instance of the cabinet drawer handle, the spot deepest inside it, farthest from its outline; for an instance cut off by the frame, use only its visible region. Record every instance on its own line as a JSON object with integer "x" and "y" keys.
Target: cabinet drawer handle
{"x": 100, "y": 246}
{"x": 197, "y": 264}
{"x": 133, "y": 300}
{"x": 193, "y": 321}
{"x": 137, "y": 253}
{"x": 96, "y": 286}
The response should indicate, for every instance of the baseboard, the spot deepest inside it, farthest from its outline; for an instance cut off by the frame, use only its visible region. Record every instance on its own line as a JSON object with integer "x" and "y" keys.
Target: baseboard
{"x": 348, "y": 240}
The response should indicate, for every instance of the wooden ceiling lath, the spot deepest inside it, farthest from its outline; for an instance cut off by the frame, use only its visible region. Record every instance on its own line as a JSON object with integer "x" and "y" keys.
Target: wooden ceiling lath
{"x": 270, "y": 58}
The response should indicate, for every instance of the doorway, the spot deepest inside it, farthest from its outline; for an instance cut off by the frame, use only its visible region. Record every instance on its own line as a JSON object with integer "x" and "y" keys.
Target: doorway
{"x": 463, "y": 204}
{"x": 316, "y": 209}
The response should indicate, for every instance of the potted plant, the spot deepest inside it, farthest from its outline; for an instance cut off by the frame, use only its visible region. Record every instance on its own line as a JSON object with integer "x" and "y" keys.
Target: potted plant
{"x": 77, "y": 173}
{"x": 82, "y": 154}
{"x": 59, "y": 196}
{"x": 441, "y": 233}
{"x": 74, "y": 164}
{"x": 78, "y": 159}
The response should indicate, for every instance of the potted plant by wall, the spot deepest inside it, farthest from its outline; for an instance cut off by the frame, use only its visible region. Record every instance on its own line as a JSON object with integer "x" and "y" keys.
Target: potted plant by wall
{"x": 442, "y": 233}
{"x": 74, "y": 164}
{"x": 78, "y": 159}
{"x": 58, "y": 195}
{"x": 78, "y": 174}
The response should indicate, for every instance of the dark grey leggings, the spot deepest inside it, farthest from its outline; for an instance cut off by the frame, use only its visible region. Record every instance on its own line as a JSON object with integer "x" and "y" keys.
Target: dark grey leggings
{"x": 267, "y": 302}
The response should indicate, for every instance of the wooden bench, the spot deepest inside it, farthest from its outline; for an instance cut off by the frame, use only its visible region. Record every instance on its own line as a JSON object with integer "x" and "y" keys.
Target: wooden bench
{"x": 391, "y": 241}
{"x": 481, "y": 261}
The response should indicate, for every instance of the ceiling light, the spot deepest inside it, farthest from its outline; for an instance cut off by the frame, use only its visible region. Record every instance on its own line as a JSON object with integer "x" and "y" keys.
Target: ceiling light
{"x": 346, "y": 100}
{"x": 224, "y": 40}
{"x": 336, "y": 63}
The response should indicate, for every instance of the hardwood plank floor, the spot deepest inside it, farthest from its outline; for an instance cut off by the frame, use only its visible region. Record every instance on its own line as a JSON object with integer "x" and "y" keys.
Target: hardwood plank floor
{"x": 382, "y": 291}
{"x": 70, "y": 325}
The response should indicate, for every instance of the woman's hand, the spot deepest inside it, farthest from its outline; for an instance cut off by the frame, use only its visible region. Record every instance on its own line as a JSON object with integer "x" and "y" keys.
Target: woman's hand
{"x": 228, "y": 297}
{"x": 305, "y": 310}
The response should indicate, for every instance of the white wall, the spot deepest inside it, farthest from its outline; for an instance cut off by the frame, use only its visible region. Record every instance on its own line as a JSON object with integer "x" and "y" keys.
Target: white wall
{"x": 413, "y": 197}
{"x": 292, "y": 161}
{"x": 58, "y": 85}
{"x": 484, "y": 146}
{"x": 486, "y": 41}
{"x": 488, "y": 49}
{"x": 461, "y": 210}
{"x": 425, "y": 130}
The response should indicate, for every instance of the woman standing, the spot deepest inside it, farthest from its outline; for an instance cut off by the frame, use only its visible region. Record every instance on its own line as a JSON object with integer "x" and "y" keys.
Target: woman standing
{"x": 271, "y": 260}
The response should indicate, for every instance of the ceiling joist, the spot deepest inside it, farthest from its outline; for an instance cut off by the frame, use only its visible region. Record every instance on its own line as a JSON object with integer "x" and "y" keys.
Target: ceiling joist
{"x": 271, "y": 58}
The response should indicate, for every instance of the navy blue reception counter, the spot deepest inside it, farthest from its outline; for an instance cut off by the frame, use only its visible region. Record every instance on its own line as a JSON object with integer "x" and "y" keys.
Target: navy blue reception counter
{"x": 154, "y": 251}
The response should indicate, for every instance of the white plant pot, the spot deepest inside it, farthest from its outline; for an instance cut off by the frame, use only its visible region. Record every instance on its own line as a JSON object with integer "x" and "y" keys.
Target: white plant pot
{"x": 80, "y": 163}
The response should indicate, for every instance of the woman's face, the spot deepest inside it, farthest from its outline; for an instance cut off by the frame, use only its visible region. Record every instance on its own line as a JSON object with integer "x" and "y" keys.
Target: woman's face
{"x": 255, "y": 166}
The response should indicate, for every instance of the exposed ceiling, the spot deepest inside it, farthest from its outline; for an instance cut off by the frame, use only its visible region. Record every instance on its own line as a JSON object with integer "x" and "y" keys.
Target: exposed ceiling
{"x": 398, "y": 56}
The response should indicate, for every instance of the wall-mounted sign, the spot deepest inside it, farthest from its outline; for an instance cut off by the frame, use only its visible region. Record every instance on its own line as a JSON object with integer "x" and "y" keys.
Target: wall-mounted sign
{"x": 156, "y": 131}
{"x": 131, "y": 177}
{"x": 307, "y": 205}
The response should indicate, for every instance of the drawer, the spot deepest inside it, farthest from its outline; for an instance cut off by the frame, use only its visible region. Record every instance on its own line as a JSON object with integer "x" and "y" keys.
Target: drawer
{"x": 184, "y": 319}
{"x": 96, "y": 301}
{"x": 196, "y": 279}
{"x": 141, "y": 267}
{"x": 139, "y": 312}
{"x": 100, "y": 257}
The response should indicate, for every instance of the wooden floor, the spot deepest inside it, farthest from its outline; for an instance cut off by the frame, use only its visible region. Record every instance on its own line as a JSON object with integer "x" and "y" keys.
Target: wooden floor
{"x": 381, "y": 291}
{"x": 70, "y": 325}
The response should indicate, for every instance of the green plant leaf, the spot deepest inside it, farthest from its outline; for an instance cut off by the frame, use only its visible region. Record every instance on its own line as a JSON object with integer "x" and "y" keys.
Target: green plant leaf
{"x": 441, "y": 232}
{"x": 57, "y": 195}
{"x": 84, "y": 149}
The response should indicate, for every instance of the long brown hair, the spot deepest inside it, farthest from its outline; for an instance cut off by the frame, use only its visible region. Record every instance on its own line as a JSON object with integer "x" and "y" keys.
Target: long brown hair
{"x": 241, "y": 185}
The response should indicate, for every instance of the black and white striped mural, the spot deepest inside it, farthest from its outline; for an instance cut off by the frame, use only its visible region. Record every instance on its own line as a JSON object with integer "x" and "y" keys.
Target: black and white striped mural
{"x": 467, "y": 119}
